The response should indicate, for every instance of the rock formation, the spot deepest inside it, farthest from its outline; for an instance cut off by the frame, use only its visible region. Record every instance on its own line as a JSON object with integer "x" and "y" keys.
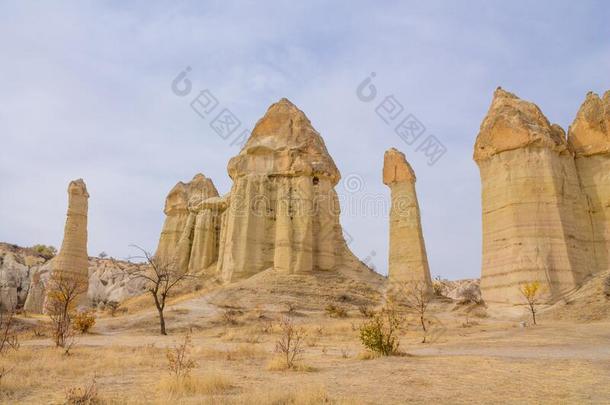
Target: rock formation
{"x": 72, "y": 260}
{"x": 589, "y": 138}
{"x": 535, "y": 216}
{"x": 408, "y": 261}
{"x": 191, "y": 229}
{"x": 283, "y": 212}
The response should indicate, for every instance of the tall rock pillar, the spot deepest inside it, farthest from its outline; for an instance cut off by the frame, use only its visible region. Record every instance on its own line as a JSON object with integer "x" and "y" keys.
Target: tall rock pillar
{"x": 589, "y": 138}
{"x": 72, "y": 261}
{"x": 535, "y": 219}
{"x": 282, "y": 213}
{"x": 408, "y": 262}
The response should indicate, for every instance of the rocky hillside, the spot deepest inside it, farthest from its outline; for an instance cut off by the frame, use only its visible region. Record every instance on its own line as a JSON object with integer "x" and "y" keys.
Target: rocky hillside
{"x": 21, "y": 267}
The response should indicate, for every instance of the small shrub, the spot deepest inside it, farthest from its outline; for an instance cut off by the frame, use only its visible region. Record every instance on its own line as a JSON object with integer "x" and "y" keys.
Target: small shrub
{"x": 229, "y": 316}
{"x": 179, "y": 358}
{"x": 366, "y": 311}
{"x": 86, "y": 395}
{"x": 113, "y": 308}
{"x": 8, "y": 335}
{"x": 438, "y": 286}
{"x": 379, "y": 334}
{"x": 290, "y": 343}
{"x": 47, "y": 252}
{"x": 102, "y": 255}
{"x": 530, "y": 292}
{"x": 335, "y": 311}
{"x": 83, "y": 321}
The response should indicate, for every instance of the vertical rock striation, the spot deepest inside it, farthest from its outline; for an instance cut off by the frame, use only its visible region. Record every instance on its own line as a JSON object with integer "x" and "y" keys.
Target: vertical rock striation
{"x": 535, "y": 217}
{"x": 283, "y": 212}
{"x": 408, "y": 261}
{"x": 72, "y": 259}
{"x": 589, "y": 138}
{"x": 190, "y": 233}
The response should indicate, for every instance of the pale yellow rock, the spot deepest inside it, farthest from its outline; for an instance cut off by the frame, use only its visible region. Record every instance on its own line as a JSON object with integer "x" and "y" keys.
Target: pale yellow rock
{"x": 408, "y": 262}
{"x": 283, "y": 212}
{"x": 190, "y": 232}
{"x": 72, "y": 259}
{"x": 535, "y": 216}
{"x": 589, "y": 137}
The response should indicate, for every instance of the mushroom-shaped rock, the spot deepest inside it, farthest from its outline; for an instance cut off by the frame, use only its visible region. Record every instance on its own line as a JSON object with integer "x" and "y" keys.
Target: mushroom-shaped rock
{"x": 535, "y": 225}
{"x": 283, "y": 212}
{"x": 589, "y": 137}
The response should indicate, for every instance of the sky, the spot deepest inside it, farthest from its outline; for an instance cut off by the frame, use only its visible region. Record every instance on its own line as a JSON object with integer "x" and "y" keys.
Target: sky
{"x": 87, "y": 91}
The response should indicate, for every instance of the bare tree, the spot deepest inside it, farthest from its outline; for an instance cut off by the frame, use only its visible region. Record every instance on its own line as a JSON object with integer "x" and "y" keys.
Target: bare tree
{"x": 160, "y": 275}
{"x": 8, "y": 336}
{"x": 417, "y": 296}
{"x": 64, "y": 290}
{"x": 290, "y": 342}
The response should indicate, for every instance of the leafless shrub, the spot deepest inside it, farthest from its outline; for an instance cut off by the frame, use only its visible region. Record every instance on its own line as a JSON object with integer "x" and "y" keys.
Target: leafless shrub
{"x": 4, "y": 371}
{"x": 437, "y": 286}
{"x": 417, "y": 297}
{"x": 63, "y": 292}
{"x": 290, "y": 308}
{"x": 230, "y": 316}
{"x": 179, "y": 358}
{"x": 366, "y": 311}
{"x": 113, "y": 307}
{"x": 86, "y": 395}
{"x": 470, "y": 294}
{"x": 8, "y": 337}
{"x": 336, "y": 311}
{"x": 290, "y": 343}
{"x": 345, "y": 353}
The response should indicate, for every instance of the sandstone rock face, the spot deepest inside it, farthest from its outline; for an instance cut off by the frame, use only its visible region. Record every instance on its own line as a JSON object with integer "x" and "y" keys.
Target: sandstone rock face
{"x": 107, "y": 283}
{"x": 192, "y": 225}
{"x": 283, "y": 211}
{"x": 589, "y": 137}
{"x": 408, "y": 261}
{"x": 535, "y": 217}
{"x": 15, "y": 272}
{"x": 72, "y": 259}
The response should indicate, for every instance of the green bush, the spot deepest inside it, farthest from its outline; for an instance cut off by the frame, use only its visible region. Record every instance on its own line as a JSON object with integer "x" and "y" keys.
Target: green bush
{"x": 48, "y": 252}
{"x": 379, "y": 334}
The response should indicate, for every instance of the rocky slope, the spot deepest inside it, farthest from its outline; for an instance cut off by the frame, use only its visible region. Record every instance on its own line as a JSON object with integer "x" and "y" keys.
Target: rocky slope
{"x": 22, "y": 267}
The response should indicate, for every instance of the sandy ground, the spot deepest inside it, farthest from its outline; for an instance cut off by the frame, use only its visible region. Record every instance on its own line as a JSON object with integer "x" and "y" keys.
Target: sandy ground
{"x": 475, "y": 359}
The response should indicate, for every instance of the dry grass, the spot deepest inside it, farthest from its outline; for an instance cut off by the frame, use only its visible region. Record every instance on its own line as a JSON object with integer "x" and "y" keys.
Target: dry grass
{"x": 241, "y": 352}
{"x": 303, "y": 396}
{"x": 278, "y": 363}
{"x": 208, "y": 384}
